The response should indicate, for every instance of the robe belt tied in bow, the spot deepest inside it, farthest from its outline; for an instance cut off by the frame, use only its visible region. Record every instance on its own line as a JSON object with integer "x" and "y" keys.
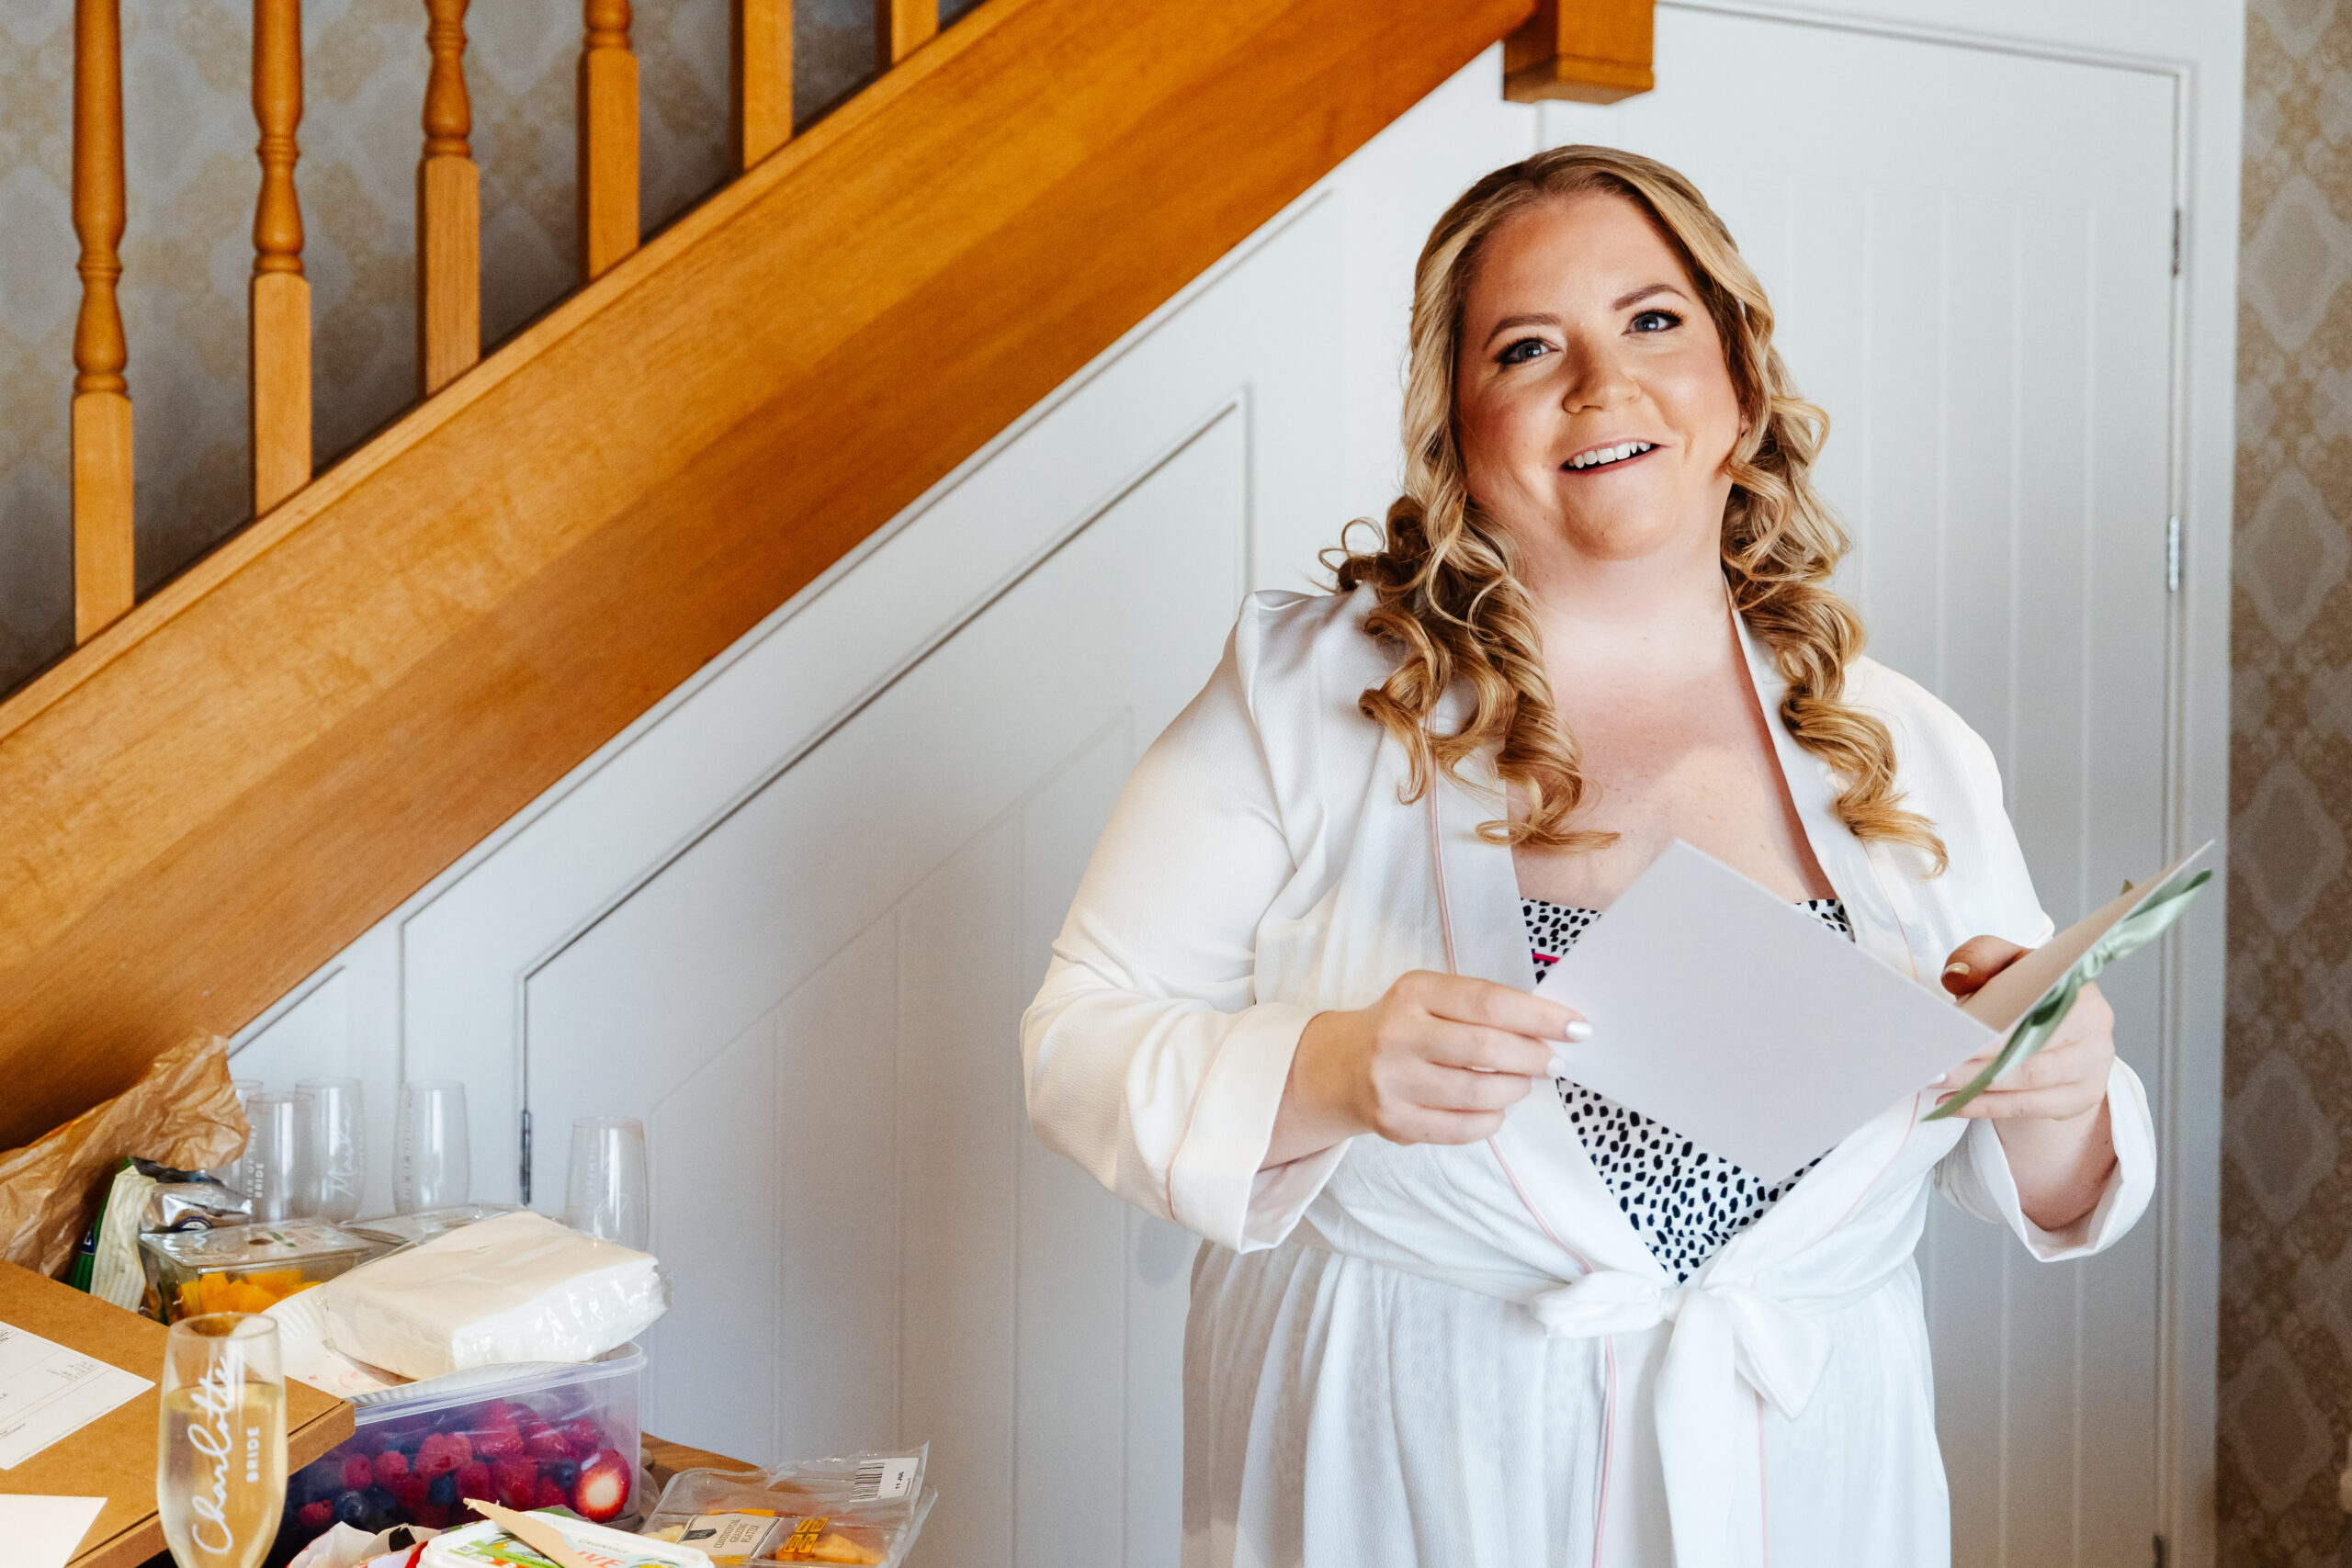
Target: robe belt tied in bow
{"x": 1724, "y": 1336}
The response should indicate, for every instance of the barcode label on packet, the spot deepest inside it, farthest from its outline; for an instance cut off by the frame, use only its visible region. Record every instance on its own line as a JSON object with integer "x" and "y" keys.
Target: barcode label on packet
{"x": 885, "y": 1480}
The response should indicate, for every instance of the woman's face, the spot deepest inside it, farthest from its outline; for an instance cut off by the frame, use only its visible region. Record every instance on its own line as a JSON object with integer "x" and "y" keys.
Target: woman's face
{"x": 1582, "y": 337}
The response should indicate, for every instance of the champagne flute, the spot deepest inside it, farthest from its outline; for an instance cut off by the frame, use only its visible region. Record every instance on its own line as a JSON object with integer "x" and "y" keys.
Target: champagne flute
{"x": 220, "y": 1468}
{"x": 430, "y": 1165}
{"x": 339, "y": 1138}
{"x": 604, "y": 1195}
{"x": 281, "y": 1161}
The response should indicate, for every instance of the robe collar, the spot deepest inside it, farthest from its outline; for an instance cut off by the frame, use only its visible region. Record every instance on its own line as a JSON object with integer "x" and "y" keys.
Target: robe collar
{"x": 1537, "y": 1147}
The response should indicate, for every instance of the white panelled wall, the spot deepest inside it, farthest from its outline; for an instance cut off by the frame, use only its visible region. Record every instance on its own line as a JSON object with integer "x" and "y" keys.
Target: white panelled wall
{"x": 790, "y": 918}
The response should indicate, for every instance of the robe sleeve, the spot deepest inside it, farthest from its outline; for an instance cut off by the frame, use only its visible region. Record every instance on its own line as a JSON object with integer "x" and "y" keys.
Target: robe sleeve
{"x": 1147, "y": 1057}
{"x": 1975, "y": 1175}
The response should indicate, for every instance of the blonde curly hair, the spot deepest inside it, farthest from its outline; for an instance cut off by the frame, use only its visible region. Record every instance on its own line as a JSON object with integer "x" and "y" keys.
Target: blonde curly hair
{"x": 1444, "y": 577}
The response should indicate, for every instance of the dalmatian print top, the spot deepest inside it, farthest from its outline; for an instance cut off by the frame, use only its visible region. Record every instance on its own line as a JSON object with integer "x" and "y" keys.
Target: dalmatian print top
{"x": 1684, "y": 1202}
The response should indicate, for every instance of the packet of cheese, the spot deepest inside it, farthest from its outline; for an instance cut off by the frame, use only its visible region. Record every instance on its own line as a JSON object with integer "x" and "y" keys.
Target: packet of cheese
{"x": 858, "y": 1510}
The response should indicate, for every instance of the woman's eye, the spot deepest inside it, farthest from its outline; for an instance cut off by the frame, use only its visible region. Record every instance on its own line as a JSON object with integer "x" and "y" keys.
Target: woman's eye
{"x": 1522, "y": 350}
{"x": 1655, "y": 320}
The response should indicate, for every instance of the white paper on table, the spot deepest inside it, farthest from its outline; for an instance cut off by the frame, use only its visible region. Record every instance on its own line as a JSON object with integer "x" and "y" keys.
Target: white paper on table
{"x": 45, "y": 1533}
{"x": 47, "y": 1391}
{"x": 1742, "y": 1022}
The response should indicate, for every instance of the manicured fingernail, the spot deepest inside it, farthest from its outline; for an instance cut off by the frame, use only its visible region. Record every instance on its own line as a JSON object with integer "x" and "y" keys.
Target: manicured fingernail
{"x": 1957, "y": 968}
{"x": 1556, "y": 1067}
{"x": 1578, "y": 1029}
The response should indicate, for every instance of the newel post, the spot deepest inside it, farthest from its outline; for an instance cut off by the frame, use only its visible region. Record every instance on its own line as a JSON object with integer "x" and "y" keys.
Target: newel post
{"x": 1595, "y": 52}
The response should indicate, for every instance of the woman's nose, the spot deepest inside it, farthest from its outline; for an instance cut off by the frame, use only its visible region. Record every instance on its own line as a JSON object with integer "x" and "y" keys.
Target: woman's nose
{"x": 1595, "y": 378}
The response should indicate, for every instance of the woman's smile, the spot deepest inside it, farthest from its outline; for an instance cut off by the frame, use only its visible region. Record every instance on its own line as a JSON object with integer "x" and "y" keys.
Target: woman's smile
{"x": 1608, "y": 455}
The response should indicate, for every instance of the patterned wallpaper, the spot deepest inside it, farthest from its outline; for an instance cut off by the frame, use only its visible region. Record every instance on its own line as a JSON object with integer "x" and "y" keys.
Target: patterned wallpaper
{"x": 188, "y": 248}
{"x": 2286, "y": 1343}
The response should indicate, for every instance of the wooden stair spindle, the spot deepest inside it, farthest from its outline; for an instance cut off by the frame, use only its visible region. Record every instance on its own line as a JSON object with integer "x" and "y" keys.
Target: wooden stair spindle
{"x": 103, "y": 582}
{"x": 607, "y": 171}
{"x": 1594, "y": 52}
{"x": 281, "y": 321}
{"x": 448, "y": 209}
{"x": 762, "y": 79}
{"x": 902, "y": 27}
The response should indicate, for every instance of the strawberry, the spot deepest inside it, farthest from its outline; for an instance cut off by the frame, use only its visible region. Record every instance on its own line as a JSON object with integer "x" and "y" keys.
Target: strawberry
{"x": 546, "y": 1443}
{"x": 473, "y": 1480}
{"x": 459, "y": 1444}
{"x": 318, "y": 1514}
{"x": 358, "y": 1472}
{"x": 581, "y": 1436}
{"x": 549, "y": 1495}
{"x": 434, "y": 1516}
{"x": 518, "y": 1482}
{"x": 603, "y": 1489}
{"x": 389, "y": 1466}
{"x": 411, "y": 1491}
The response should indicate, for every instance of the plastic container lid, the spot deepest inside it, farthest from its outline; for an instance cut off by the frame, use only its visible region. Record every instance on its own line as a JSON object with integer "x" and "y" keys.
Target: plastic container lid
{"x": 263, "y": 1245}
{"x": 430, "y": 1396}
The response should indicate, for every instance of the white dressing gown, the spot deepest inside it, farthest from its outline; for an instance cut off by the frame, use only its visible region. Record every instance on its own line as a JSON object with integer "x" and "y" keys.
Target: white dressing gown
{"x": 1416, "y": 1356}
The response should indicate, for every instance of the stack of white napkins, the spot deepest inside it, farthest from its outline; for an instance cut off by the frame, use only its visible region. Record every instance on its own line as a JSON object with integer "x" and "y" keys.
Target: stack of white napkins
{"x": 516, "y": 1288}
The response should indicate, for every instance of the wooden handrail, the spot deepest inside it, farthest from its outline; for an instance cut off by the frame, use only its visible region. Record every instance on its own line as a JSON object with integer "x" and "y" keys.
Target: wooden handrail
{"x": 103, "y": 580}
{"x": 272, "y": 751}
{"x": 279, "y": 320}
{"x": 449, "y": 210}
{"x": 761, "y": 78}
{"x": 902, "y": 27}
{"x": 606, "y": 179}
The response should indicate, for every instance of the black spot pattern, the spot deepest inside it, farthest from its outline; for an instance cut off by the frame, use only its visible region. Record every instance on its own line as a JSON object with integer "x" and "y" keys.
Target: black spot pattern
{"x": 1684, "y": 1202}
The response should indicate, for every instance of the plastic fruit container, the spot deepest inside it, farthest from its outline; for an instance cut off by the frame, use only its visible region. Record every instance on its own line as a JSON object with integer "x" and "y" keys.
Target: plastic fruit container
{"x": 244, "y": 1268}
{"x": 539, "y": 1436}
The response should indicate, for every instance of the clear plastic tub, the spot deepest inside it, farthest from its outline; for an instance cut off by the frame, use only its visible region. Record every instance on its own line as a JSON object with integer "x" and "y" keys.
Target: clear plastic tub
{"x": 533, "y": 1437}
{"x": 243, "y": 1268}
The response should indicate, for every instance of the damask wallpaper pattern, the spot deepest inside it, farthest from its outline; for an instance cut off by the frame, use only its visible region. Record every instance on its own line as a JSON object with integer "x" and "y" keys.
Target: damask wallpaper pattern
{"x": 187, "y": 246}
{"x": 2286, "y": 1339}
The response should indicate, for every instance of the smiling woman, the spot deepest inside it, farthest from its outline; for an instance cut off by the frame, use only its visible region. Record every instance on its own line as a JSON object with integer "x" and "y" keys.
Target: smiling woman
{"x": 1458, "y": 1308}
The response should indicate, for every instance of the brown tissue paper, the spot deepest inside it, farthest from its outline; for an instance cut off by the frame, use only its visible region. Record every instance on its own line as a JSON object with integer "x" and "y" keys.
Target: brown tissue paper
{"x": 182, "y": 1112}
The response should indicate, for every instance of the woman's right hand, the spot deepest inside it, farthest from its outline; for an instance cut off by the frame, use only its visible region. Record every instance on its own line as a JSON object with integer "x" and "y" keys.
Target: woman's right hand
{"x": 1437, "y": 1060}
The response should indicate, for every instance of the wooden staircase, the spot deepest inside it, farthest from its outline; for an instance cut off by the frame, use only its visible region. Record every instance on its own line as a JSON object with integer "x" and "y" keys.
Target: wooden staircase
{"x": 223, "y": 785}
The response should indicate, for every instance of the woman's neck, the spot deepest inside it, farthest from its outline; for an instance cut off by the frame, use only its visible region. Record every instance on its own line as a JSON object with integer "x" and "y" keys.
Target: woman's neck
{"x": 1661, "y": 613}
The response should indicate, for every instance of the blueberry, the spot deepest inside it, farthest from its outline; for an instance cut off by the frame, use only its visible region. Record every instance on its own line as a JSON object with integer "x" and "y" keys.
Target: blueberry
{"x": 564, "y": 1473}
{"x": 444, "y": 1490}
{"x": 350, "y": 1508}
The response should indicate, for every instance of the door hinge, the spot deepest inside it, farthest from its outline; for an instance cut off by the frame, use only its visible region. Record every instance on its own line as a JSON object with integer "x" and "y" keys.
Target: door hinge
{"x": 2172, "y": 553}
{"x": 523, "y": 1177}
{"x": 2176, "y": 241}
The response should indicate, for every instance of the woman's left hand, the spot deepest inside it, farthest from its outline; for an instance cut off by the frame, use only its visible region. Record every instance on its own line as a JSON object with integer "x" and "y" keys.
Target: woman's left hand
{"x": 2065, "y": 1078}
{"x": 2050, "y": 1108}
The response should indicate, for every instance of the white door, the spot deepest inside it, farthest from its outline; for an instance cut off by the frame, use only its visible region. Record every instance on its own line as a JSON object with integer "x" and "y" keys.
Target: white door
{"x": 1969, "y": 254}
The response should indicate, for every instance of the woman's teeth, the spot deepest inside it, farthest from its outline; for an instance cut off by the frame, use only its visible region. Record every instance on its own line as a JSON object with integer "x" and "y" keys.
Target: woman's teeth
{"x": 1608, "y": 455}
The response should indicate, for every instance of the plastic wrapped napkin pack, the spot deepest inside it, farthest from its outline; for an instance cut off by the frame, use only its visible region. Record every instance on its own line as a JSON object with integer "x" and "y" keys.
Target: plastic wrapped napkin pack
{"x": 517, "y": 1287}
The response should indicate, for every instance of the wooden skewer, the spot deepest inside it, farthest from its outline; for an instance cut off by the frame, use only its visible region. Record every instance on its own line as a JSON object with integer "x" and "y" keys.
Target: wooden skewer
{"x": 449, "y": 210}
{"x": 607, "y": 176}
{"x": 902, "y": 27}
{"x": 280, "y": 319}
{"x": 762, "y": 79}
{"x": 103, "y": 582}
